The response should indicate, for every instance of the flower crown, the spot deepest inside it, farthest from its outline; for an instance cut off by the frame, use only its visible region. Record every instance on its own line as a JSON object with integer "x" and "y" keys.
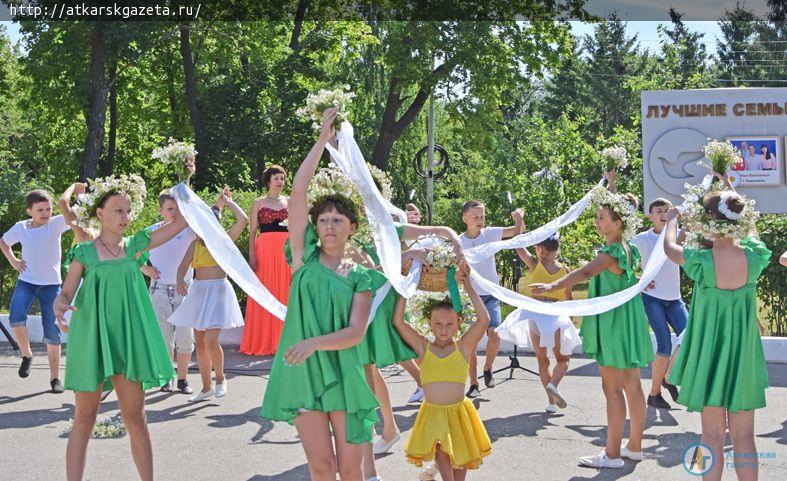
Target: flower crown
{"x": 332, "y": 180}
{"x": 621, "y": 206}
{"x": 421, "y": 304}
{"x": 85, "y": 207}
{"x": 700, "y": 225}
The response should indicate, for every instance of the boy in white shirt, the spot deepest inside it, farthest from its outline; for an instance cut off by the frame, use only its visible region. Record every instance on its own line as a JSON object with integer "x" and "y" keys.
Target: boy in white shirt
{"x": 162, "y": 268}
{"x": 477, "y": 234}
{"x": 663, "y": 304}
{"x": 39, "y": 278}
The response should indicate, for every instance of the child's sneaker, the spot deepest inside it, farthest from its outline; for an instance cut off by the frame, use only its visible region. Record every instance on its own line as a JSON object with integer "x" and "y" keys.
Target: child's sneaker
{"x": 417, "y": 396}
{"x": 57, "y": 386}
{"x": 551, "y": 408}
{"x": 557, "y": 398}
{"x": 601, "y": 461}
{"x": 24, "y": 367}
{"x": 184, "y": 387}
{"x": 429, "y": 473}
{"x": 632, "y": 455}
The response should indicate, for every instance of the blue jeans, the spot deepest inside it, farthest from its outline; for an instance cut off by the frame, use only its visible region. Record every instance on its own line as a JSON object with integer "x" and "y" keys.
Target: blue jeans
{"x": 662, "y": 313}
{"x": 493, "y": 307}
{"x": 24, "y": 295}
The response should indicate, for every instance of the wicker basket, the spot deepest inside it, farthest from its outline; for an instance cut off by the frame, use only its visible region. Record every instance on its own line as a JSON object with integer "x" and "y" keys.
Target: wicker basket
{"x": 432, "y": 279}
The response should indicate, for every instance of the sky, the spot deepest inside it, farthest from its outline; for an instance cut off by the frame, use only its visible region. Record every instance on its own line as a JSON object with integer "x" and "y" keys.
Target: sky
{"x": 645, "y": 31}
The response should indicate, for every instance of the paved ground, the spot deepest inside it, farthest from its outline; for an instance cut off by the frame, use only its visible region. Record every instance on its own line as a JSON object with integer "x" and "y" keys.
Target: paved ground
{"x": 226, "y": 440}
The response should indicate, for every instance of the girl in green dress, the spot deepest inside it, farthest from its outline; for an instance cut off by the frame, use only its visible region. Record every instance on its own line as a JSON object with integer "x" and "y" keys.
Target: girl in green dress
{"x": 114, "y": 338}
{"x": 317, "y": 381}
{"x": 721, "y": 366}
{"x": 619, "y": 339}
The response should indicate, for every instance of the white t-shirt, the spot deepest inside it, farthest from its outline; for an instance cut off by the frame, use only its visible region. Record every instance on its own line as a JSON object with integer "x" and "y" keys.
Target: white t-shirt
{"x": 486, "y": 268}
{"x": 166, "y": 257}
{"x": 667, "y": 281}
{"x": 40, "y": 249}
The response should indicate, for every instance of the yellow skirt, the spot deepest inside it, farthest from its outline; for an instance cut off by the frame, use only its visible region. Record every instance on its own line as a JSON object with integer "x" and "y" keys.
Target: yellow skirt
{"x": 456, "y": 428}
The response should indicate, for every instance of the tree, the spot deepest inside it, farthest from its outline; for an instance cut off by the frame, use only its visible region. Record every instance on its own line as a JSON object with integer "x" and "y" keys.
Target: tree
{"x": 481, "y": 59}
{"x": 613, "y": 60}
{"x": 684, "y": 60}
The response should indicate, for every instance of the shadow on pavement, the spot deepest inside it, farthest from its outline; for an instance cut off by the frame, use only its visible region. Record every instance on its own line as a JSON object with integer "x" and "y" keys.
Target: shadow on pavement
{"x": 298, "y": 473}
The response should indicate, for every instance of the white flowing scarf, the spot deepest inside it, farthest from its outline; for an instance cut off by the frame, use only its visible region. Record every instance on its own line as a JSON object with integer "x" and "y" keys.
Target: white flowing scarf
{"x": 378, "y": 210}
{"x": 478, "y": 254}
{"x": 229, "y": 258}
{"x": 223, "y": 249}
{"x": 350, "y": 160}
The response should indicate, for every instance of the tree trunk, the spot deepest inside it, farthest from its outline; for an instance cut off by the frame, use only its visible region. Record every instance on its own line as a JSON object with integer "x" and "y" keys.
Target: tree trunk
{"x": 295, "y": 43}
{"x": 173, "y": 101}
{"x": 202, "y": 177}
{"x": 390, "y": 128}
{"x": 108, "y": 162}
{"x": 98, "y": 106}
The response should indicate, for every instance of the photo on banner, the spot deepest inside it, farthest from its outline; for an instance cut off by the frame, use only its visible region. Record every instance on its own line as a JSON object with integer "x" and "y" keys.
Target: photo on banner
{"x": 761, "y": 159}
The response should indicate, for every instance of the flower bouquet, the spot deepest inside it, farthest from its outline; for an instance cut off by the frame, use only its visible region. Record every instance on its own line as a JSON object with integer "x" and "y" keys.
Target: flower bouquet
{"x": 317, "y": 103}
{"x": 177, "y": 153}
{"x": 615, "y": 157}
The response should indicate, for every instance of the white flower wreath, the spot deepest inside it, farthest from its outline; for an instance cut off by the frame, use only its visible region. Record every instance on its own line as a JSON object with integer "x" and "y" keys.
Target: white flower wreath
{"x": 701, "y": 226}
{"x": 332, "y": 180}
{"x": 420, "y": 304}
{"x": 622, "y": 207}
{"x": 86, "y": 204}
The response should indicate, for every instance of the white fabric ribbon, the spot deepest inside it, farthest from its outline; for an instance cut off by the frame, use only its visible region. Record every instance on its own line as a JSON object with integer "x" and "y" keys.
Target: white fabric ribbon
{"x": 583, "y": 307}
{"x": 378, "y": 210}
{"x": 229, "y": 258}
{"x": 223, "y": 249}
{"x": 478, "y": 254}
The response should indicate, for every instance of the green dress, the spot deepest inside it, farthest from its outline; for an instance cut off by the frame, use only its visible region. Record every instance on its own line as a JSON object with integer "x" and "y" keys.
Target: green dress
{"x": 618, "y": 338}
{"x": 319, "y": 303}
{"x": 721, "y": 362}
{"x": 382, "y": 345}
{"x": 114, "y": 329}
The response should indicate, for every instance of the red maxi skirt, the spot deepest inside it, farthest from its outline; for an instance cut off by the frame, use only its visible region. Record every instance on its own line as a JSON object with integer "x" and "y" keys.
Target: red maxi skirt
{"x": 263, "y": 329}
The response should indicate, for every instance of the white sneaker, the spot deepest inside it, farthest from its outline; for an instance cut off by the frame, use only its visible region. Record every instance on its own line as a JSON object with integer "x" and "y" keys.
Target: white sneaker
{"x": 221, "y": 389}
{"x": 382, "y": 446}
{"x": 417, "y": 396}
{"x": 201, "y": 396}
{"x": 429, "y": 473}
{"x": 632, "y": 455}
{"x": 556, "y": 396}
{"x": 601, "y": 461}
{"x": 551, "y": 408}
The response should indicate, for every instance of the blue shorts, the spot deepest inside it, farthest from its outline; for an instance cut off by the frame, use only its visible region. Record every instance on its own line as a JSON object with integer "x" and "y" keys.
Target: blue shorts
{"x": 21, "y": 301}
{"x": 662, "y": 315}
{"x": 493, "y": 307}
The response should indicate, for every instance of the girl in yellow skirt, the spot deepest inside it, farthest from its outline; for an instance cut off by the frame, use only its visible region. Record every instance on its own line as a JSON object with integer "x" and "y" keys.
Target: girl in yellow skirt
{"x": 447, "y": 428}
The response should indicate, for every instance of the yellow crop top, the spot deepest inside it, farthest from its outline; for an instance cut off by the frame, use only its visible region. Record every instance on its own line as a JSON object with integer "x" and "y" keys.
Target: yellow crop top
{"x": 202, "y": 257}
{"x": 451, "y": 368}
{"x": 541, "y": 276}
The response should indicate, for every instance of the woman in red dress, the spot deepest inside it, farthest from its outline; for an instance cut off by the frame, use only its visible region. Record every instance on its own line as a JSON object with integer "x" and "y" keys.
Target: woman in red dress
{"x": 266, "y": 258}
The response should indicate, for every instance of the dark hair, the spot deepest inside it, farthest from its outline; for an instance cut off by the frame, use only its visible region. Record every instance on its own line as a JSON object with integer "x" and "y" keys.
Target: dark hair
{"x": 437, "y": 304}
{"x": 660, "y": 202}
{"x": 339, "y": 203}
{"x": 164, "y": 196}
{"x": 632, "y": 199}
{"x": 36, "y": 196}
{"x": 711, "y": 204}
{"x": 272, "y": 170}
{"x": 768, "y": 155}
{"x": 471, "y": 204}
{"x": 103, "y": 201}
{"x": 551, "y": 244}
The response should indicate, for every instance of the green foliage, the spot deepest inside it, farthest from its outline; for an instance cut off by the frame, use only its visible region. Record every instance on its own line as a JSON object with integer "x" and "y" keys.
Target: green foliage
{"x": 772, "y": 285}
